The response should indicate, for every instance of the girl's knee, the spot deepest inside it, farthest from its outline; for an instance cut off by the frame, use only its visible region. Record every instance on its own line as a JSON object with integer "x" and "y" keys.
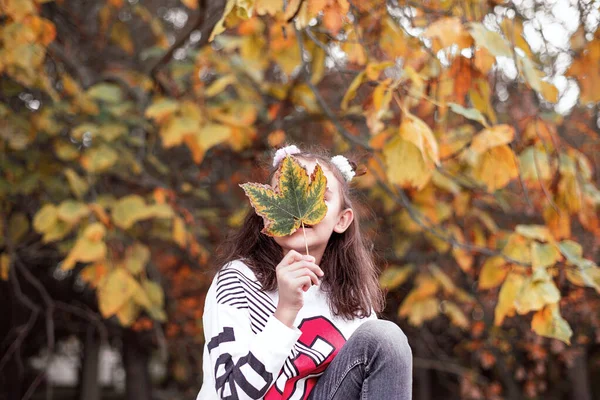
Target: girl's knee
{"x": 384, "y": 334}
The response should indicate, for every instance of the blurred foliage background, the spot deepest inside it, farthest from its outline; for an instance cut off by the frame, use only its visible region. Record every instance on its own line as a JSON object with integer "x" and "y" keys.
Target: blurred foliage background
{"x": 127, "y": 125}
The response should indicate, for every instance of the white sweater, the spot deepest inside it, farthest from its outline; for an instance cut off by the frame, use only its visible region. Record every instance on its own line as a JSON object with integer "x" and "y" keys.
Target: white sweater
{"x": 249, "y": 354}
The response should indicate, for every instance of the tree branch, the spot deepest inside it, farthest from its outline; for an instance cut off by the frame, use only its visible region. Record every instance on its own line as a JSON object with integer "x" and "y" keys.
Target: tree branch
{"x": 210, "y": 13}
{"x": 343, "y": 131}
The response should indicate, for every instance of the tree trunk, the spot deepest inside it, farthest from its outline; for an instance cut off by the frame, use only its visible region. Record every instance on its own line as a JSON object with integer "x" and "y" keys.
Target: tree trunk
{"x": 89, "y": 388}
{"x": 422, "y": 375}
{"x": 136, "y": 358}
{"x": 578, "y": 376}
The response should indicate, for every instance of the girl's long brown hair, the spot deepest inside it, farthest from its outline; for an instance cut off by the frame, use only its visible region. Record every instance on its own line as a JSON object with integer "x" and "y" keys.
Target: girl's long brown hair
{"x": 350, "y": 273}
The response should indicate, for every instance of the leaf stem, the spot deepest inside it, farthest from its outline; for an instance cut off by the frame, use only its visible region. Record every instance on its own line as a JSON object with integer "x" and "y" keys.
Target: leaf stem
{"x": 305, "y": 241}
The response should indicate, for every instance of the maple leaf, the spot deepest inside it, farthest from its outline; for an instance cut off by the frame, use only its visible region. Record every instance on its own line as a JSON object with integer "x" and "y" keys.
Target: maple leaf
{"x": 296, "y": 199}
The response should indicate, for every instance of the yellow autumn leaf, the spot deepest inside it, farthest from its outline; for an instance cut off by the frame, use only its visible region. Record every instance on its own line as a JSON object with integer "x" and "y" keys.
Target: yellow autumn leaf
{"x": 121, "y": 36}
{"x": 17, "y": 10}
{"x": 175, "y": 130}
{"x": 270, "y": 7}
{"x": 154, "y": 292}
{"x": 131, "y": 209}
{"x": 45, "y": 218}
{"x": 71, "y": 211}
{"x": 57, "y": 231}
{"x": 536, "y": 232}
{"x": 416, "y": 131}
{"x": 532, "y": 75}
{"x": 506, "y": 298}
{"x": 220, "y": 25}
{"x": 549, "y": 323}
{"x": 470, "y": 113}
{"x": 117, "y": 289}
{"x": 65, "y": 151}
{"x": 493, "y": 272}
{"x": 517, "y": 248}
{"x": 544, "y": 255}
{"x": 111, "y": 132}
{"x": 179, "y": 232}
{"x": 191, "y": 4}
{"x": 94, "y": 274}
{"x": 84, "y": 129}
{"x": 393, "y": 40}
{"x": 492, "y": 41}
{"x": 99, "y": 159}
{"x": 496, "y": 168}
{"x": 420, "y": 311}
{"x": 456, "y": 315}
{"x": 381, "y": 98}
{"x": 128, "y": 210}
{"x": 85, "y": 250}
{"x": 351, "y": 91}
{"x": 584, "y": 69}
{"x": 393, "y": 277}
{"x": 94, "y": 232}
{"x": 219, "y": 85}
{"x": 585, "y": 277}
{"x": 161, "y": 109}
{"x": 140, "y": 297}
{"x": 494, "y": 136}
{"x": 444, "y": 280}
{"x": 513, "y": 31}
{"x": 136, "y": 258}
{"x": 405, "y": 164}
{"x": 537, "y": 291}
{"x": 206, "y": 137}
{"x": 569, "y": 194}
{"x": 446, "y": 32}
{"x": 128, "y": 313}
{"x": 79, "y": 187}
{"x": 549, "y": 91}
{"x": 534, "y": 165}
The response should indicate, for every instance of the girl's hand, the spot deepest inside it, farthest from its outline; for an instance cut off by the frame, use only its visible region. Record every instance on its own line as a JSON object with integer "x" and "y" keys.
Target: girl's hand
{"x": 295, "y": 274}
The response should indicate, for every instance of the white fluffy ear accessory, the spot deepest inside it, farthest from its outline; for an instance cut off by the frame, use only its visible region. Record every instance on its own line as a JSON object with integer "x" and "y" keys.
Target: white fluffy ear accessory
{"x": 284, "y": 151}
{"x": 344, "y": 166}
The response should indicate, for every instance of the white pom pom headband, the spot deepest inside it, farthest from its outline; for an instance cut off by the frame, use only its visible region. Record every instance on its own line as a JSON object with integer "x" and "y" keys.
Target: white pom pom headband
{"x": 339, "y": 161}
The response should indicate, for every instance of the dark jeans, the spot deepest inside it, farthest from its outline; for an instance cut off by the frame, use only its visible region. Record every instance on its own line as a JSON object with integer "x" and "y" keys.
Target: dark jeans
{"x": 375, "y": 363}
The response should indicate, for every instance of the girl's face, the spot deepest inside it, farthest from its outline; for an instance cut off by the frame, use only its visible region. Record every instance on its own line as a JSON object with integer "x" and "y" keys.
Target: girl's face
{"x": 336, "y": 219}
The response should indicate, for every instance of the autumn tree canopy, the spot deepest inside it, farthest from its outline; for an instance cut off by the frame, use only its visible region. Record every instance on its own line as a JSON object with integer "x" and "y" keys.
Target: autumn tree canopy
{"x": 126, "y": 128}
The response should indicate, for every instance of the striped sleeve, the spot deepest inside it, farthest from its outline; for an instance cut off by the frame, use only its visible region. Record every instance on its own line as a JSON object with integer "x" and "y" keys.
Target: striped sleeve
{"x": 246, "y": 344}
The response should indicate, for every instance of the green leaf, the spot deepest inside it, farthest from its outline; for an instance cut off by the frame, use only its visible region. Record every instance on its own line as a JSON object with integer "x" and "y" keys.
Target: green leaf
{"x": 72, "y": 211}
{"x": 138, "y": 256}
{"x": 470, "y": 113}
{"x": 79, "y": 186}
{"x": 18, "y": 226}
{"x": 294, "y": 200}
{"x": 107, "y": 92}
{"x": 490, "y": 40}
{"x": 99, "y": 159}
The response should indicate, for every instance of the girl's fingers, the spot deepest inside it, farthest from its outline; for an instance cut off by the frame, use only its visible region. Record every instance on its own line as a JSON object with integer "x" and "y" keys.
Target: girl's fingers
{"x": 306, "y": 264}
{"x": 307, "y": 272}
{"x": 290, "y": 258}
{"x": 304, "y": 283}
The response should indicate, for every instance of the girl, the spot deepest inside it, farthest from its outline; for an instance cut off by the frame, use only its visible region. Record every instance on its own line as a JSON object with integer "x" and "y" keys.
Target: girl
{"x": 282, "y": 325}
